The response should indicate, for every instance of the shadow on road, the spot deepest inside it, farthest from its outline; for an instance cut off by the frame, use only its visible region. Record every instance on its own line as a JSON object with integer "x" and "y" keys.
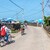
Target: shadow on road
{"x": 48, "y": 35}
{"x": 13, "y": 41}
{"x": 24, "y": 34}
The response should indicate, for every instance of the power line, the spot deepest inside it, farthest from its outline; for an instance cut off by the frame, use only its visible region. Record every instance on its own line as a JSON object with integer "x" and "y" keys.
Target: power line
{"x": 35, "y": 13}
{"x": 7, "y": 11}
{"x": 16, "y": 4}
{"x": 46, "y": 3}
{"x": 47, "y": 13}
{"x": 5, "y": 8}
{"x": 40, "y": 10}
{"x": 16, "y": 14}
{"x": 41, "y": 4}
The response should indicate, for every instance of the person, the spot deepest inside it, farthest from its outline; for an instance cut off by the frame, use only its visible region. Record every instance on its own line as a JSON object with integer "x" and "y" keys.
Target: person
{"x": 25, "y": 24}
{"x": 0, "y": 30}
{"x": 5, "y": 32}
{"x": 22, "y": 29}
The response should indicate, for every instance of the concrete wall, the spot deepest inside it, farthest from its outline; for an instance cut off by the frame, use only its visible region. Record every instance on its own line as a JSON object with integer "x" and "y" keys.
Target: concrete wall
{"x": 47, "y": 28}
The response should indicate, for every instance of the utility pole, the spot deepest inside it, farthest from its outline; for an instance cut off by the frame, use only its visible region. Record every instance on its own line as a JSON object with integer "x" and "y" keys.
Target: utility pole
{"x": 43, "y": 9}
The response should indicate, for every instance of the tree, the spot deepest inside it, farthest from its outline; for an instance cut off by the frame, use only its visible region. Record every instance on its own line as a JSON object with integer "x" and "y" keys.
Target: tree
{"x": 46, "y": 20}
{"x": 25, "y": 21}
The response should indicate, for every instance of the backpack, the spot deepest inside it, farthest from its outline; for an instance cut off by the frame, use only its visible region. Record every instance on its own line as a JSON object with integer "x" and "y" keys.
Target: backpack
{"x": 3, "y": 32}
{"x": 0, "y": 32}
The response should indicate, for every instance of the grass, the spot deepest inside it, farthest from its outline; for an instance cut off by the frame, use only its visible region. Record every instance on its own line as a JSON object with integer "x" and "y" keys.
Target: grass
{"x": 14, "y": 31}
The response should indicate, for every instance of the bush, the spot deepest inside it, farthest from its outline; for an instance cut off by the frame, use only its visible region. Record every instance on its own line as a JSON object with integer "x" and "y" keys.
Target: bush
{"x": 47, "y": 21}
{"x": 14, "y": 31}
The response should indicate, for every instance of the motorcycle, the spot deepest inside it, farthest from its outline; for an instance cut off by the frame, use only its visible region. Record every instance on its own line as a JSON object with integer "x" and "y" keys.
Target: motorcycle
{"x": 3, "y": 42}
{"x": 22, "y": 31}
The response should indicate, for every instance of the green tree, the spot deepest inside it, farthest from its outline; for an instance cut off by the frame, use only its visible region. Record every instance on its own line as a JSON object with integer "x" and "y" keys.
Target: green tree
{"x": 46, "y": 20}
{"x": 25, "y": 21}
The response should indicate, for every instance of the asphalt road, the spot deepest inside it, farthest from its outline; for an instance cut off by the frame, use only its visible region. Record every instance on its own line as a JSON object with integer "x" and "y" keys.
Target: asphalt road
{"x": 35, "y": 38}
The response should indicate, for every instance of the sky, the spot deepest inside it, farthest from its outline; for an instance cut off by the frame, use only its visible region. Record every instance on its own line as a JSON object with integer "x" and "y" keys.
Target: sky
{"x": 32, "y": 9}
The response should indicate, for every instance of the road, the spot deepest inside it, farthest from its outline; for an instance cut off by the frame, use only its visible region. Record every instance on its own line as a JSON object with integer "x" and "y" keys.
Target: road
{"x": 35, "y": 38}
